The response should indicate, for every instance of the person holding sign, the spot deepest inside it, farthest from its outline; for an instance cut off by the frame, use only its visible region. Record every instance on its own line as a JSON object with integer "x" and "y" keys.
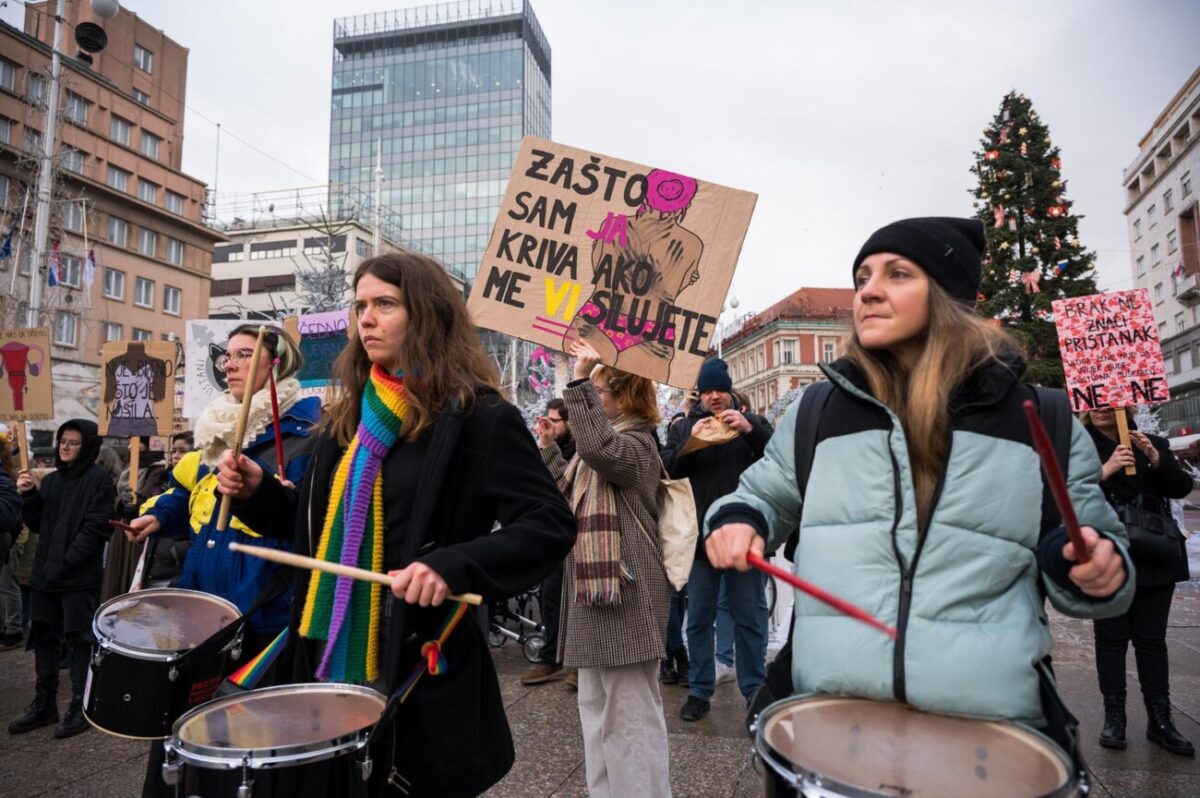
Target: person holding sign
{"x": 417, "y": 460}
{"x": 924, "y": 500}
{"x": 1161, "y": 561}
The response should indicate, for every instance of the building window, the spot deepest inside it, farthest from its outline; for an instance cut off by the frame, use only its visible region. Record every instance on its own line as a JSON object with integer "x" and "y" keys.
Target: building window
{"x": 270, "y": 283}
{"x": 1155, "y": 257}
{"x": 141, "y": 96}
{"x": 148, "y": 243}
{"x": 118, "y": 232}
{"x": 33, "y": 141}
{"x": 121, "y": 131}
{"x": 226, "y": 287}
{"x": 114, "y": 283}
{"x": 8, "y": 75}
{"x": 1137, "y": 229}
{"x": 1162, "y": 331}
{"x": 142, "y": 335}
{"x": 1158, "y": 293}
{"x": 72, "y": 217}
{"x": 72, "y": 160}
{"x": 829, "y": 351}
{"x": 362, "y": 247}
{"x": 113, "y": 331}
{"x": 143, "y": 59}
{"x": 174, "y": 202}
{"x": 1150, "y": 215}
{"x": 171, "y": 297}
{"x": 6, "y": 126}
{"x": 118, "y": 178}
{"x": 35, "y": 88}
{"x": 1168, "y": 201}
{"x": 1141, "y": 266}
{"x": 69, "y": 271}
{"x": 149, "y": 146}
{"x": 3, "y": 190}
{"x": 66, "y": 330}
{"x": 174, "y": 252}
{"x": 1179, "y": 323}
{"x": 1172, "y": 242}
{"x": 147, "y": 191}
{"x": 230, "y": 254}
{"x": 272, "y": 249}
{"x": 1185, "y": 184}
{"x": 787, "y": 351}
{"x": 762, "y": 358}
{"x": 75, "y": 109}
{"x": 143, "y": 294}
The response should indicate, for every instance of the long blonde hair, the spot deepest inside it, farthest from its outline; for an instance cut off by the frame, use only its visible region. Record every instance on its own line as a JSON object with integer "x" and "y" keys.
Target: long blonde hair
{"x": 956, "y": 342}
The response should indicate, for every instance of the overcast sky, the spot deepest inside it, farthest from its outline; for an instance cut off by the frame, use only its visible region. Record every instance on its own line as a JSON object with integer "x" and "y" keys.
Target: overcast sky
{"x": 841, "y": 116}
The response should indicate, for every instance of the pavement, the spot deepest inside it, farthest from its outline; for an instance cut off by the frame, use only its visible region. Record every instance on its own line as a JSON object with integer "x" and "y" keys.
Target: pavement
{"x": 711, "y": 757}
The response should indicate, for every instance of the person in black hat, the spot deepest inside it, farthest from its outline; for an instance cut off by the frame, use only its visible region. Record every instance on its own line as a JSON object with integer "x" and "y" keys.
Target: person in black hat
{"x": 713, "y": 472}
{"x": 923, "y": 503}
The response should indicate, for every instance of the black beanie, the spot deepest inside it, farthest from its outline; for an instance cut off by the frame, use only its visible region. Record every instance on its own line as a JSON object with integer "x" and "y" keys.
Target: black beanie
{"x": 714, "y": 376}
{"x": 947, "y": 248}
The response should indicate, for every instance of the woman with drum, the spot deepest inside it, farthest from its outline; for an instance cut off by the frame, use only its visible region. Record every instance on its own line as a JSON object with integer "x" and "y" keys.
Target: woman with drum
{"x": 418, "y": 459}
{"x": 1161, "y": 561}
{"x": 923, "y": 503}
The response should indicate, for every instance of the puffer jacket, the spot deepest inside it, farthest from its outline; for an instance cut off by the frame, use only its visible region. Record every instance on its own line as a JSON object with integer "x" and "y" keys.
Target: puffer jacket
{"x": 191, "y": 500}
{"x": 967, "y": 597}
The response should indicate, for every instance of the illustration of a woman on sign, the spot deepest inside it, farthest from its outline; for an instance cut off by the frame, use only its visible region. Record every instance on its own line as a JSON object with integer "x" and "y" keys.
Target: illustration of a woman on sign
{"x": 641, "y": 266}
{"x": 136, "y": 382}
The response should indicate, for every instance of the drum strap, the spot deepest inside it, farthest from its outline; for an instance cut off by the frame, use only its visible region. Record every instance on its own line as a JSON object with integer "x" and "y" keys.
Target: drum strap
{"x": 1061, "y": 725}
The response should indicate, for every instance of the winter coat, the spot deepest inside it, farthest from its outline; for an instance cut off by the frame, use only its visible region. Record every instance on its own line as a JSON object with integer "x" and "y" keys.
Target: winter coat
{"x": 442, "y": 497}
{"x": 967, "y": 596}
{"x": 713, "y": 471}
{"x": 634, "y": 630}
{"x": 70, "y": 514}
{"x": 1157, "y": 486}
{"x": 10, "y": 516}
{"x": 191, "y": 505}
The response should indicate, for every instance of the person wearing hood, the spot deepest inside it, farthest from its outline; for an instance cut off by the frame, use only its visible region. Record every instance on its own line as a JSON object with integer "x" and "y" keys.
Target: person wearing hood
{"x": 924, "y": 503}
{"x": 70, "y": 513}
{"x": 713, "y": 472}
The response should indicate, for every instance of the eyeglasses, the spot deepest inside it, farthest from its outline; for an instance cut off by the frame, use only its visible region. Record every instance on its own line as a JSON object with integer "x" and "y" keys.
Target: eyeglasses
{"x": 554, "y": 420}
{"x": 70, "y": 444}
{"x": 233, "y": 358}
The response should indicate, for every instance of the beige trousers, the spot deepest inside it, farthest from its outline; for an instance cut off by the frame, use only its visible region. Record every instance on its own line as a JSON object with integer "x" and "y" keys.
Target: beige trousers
{"x": 624, "y": 732}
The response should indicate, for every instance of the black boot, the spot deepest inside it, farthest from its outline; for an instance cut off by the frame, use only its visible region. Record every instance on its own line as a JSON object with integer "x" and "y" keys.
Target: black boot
{"x": 682, "y": 666}
{"x": 1160, "y": 727}
{"x": 1113, "y": 734}
{"x": 42, "y": 712}
{"x": 666, "y": 671}
{"x": 73, "y": 722}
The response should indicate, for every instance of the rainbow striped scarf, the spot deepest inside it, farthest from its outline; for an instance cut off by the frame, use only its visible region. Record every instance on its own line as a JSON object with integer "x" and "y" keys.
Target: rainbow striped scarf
{"x": 341, "y": 611}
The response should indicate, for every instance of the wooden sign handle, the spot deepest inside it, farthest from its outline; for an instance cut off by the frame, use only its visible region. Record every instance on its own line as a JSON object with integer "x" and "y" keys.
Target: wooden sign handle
{"x": 240, "y": 432}
{"x": 22, "y": 444}
{"x": 1123, "y": 429}
{"x": 135, "y": 457}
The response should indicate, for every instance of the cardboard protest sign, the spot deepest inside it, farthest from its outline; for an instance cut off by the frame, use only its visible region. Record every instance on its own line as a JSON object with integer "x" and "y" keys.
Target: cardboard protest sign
{"x": 635, "y": 260}
{"x": 205, "y": 343}
{"x": 28, "y": 393}
{"x": 137, "y": 388}
{"x": 321, "y": 337}
{"x": 1111, "y": 353}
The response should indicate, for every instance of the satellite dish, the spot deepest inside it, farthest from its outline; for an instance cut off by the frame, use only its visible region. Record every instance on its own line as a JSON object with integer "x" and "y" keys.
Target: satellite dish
{"x": 106, "y": 9}
{"x": 90, "y": 37}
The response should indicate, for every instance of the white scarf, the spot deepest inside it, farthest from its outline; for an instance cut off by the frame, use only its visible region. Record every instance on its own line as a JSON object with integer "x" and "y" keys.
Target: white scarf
{"x": 217, "y": 424}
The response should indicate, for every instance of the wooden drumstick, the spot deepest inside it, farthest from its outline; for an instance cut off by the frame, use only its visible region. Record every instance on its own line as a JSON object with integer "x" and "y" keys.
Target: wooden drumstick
{"x": 247, "y": 395}
{"x": 313, "y": 564}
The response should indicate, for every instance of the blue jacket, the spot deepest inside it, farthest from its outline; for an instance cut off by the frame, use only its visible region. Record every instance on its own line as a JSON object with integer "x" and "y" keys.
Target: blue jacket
{"x": 191, "y": 499}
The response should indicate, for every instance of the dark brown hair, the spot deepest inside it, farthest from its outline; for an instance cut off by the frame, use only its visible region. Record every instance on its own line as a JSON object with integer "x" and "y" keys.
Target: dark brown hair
{"x": 441, "y": 354}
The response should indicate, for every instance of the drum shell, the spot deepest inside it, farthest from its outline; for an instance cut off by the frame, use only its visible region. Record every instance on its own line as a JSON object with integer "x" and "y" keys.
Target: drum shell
{"x": 338, "y": 777}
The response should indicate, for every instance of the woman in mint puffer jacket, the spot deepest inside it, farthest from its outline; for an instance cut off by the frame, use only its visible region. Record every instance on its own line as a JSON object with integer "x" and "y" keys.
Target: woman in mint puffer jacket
{"x": 925, "y": 499}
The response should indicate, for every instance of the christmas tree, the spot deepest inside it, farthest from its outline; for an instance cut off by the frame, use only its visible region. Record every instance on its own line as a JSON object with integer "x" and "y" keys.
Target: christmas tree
{"x": 1034, "y": 255}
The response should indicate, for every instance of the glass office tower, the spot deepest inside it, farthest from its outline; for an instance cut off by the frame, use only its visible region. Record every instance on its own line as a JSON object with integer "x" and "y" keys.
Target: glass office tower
{"x": 445, "y": 93}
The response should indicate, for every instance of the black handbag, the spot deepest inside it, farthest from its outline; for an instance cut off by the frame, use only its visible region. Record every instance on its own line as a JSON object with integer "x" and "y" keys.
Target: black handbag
{"x": 1154, "y": 534}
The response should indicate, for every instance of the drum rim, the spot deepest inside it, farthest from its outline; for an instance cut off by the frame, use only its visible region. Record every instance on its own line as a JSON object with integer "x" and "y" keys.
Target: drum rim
{"x": 153, "y": 654}
{"x": 801, "y": 778}
{"x": 213, "y": 758}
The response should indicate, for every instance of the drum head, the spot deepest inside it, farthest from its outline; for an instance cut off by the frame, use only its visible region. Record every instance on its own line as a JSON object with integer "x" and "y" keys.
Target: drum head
{"x": 277, "y": 722}
{"x": 162, "y": 620}
{"x": 887, "y": 748}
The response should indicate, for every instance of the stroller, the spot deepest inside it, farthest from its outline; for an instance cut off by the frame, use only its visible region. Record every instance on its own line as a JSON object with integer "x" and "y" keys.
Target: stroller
{"x": 514, "y": 620}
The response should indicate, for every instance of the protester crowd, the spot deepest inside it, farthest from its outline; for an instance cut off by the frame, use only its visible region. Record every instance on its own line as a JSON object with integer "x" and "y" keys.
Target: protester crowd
{"x": 879, "y": 486}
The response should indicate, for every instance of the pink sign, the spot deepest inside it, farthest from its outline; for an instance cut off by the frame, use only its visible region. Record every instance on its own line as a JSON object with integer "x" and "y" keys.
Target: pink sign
{"x": 1110, "y": 348}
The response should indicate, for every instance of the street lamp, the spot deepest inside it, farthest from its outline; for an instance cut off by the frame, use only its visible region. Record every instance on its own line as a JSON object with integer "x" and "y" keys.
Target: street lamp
{"x": 105, "y": 9}
{"x": 723, "y": 328}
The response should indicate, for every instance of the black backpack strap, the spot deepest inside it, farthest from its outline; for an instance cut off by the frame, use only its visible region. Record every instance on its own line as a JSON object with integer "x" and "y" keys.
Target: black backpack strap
{"x": 812, "y": 405}
{"x": 1055, "y": 413}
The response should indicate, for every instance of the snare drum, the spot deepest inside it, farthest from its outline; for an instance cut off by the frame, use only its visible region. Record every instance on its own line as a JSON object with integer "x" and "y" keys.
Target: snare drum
{"x": 829, "y": 747}
{"x": 158, "y": 653}
{"x": 270, "y": 741}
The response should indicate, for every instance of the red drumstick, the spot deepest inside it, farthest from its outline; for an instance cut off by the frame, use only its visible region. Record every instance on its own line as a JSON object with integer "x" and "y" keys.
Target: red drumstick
{"x": 275, "y": 420}
{"x": 833, "y": 601}
{"x": 1058, "y": 485}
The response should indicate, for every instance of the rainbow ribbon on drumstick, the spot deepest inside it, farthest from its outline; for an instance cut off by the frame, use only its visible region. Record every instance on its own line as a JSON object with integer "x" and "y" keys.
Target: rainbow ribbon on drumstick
{"x": 432, "y": 658}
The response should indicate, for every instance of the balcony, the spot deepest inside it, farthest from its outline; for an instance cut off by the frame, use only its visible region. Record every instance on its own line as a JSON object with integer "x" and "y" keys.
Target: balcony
{"x": 1187, "y": 289}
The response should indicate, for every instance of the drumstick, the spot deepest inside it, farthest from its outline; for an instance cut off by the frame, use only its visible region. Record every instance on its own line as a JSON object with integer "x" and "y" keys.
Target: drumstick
{"x": 1058, "y": 485}
{"x": 275, "y": 421}
{"x": 247, "y": 395}
{"x": 313, "y": 564}
{"x": 841, "y": 605}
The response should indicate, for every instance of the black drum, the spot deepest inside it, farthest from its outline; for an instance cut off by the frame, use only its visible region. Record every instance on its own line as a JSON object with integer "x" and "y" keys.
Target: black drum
{"x": 276, "y": 741}
{"x": 158, "y": 653}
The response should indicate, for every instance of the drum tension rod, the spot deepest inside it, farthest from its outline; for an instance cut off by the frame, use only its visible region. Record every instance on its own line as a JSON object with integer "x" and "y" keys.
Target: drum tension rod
{"x": 399, "y": 782}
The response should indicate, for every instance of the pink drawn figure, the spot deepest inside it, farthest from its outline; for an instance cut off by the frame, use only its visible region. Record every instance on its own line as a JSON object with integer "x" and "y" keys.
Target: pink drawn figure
{"x": 15, "y": 359}
{"x": 654, "y": 243}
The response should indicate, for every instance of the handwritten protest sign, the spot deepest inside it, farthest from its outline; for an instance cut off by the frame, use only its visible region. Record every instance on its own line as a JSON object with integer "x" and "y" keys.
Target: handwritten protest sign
{"x": 27, "y": 393}
{"x": 635, "y": 260}
{"x": 321, "y": 337}
{"x": 137, "y": 388}
{"x": 206, "y": 339}
{"x": 1110, "y": 348}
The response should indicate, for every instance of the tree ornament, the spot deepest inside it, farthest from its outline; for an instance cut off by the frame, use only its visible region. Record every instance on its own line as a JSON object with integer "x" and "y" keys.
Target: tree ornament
{"x": 1004, "y": 245}
{"x": 1030, "y": 281}
{"x": 1024, "y": 149}
{"x": 1056, "y": 184}
{"x": 1055, "y": 211}
{"x": 1004, "y": 134}
{"x": 991, "y": 155}
{"x": 1055, "y": 163}
{"x": 1023, "y": 131}
{"x": 998, "y": 215}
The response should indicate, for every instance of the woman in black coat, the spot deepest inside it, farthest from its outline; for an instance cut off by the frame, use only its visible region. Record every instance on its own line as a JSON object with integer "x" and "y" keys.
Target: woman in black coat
{"x": 1159, "y": 479}
{"x": 460, "y": 460}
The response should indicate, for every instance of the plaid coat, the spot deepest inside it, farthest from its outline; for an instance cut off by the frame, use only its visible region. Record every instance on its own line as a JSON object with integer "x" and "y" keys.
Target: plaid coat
{"x": 634, "y": 630}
